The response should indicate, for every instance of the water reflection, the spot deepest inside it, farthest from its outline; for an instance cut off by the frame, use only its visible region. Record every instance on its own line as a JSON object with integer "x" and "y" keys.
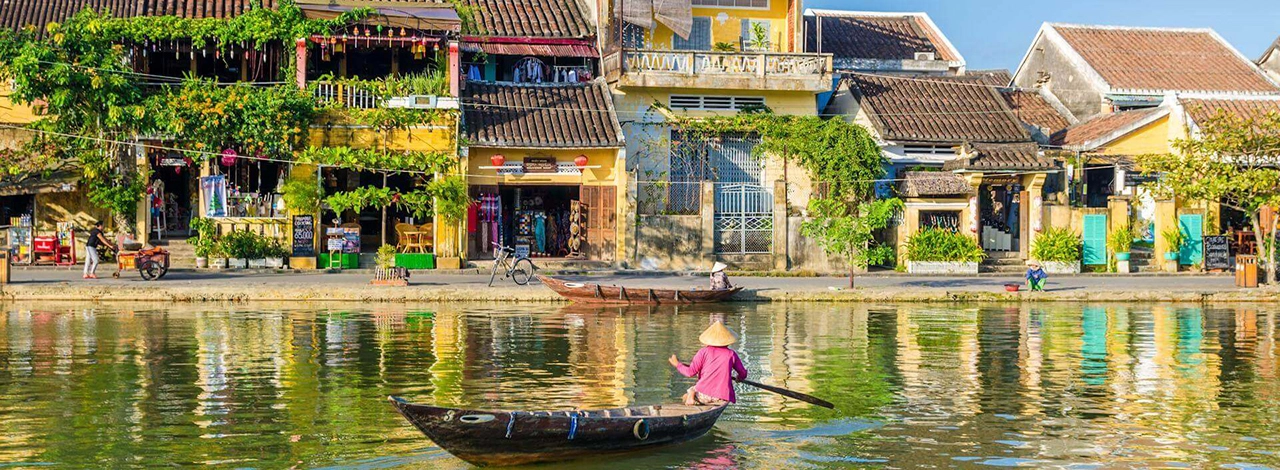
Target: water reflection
{"x": 277, "y": 386}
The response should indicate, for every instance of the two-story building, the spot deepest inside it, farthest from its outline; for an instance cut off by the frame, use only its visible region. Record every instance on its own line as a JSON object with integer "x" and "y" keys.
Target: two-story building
{"x": 700, "y": 198}
{"x": 1120, "y": 85}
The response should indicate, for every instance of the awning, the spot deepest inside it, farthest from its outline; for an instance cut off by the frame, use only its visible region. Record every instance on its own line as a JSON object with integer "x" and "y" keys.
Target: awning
{"x": 59, "y": 182}
{"x": 551, "y": 50}
{"x": 396, "y": 15}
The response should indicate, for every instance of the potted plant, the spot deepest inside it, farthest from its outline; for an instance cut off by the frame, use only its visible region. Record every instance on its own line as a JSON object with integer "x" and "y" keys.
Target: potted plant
{"x": 385, "y": 273}
{"x": 1173, "y": 239}
{"x": 1059, "y": 251}
{"x": 205, "y": 242}
{"x": 275, "y": 254}
{"x": 1120, "y": 241}
{"x": 941, "y": 251}
{"x": 238, "y": 247}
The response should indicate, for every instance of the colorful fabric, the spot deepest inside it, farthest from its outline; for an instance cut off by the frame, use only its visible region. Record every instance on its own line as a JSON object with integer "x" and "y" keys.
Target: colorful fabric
{"x": 1037, "y": 285}
{"x": 1036, "y": 274}
{"x": 715, "y": 367}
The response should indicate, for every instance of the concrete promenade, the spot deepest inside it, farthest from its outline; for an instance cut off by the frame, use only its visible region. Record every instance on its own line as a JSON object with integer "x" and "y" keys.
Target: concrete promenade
{"x": 191, "y": 286}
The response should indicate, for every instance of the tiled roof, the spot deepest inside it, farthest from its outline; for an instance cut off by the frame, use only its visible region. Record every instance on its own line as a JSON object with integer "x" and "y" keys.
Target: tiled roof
{"x": 996, "y": 77}
{"x": 532, "y": 18}
{"x": 933, "y": 183}
{"x": 1154, "y": 59}
{"x": 1020, "y": 156}
{"x": 16, "y": 14}
{"x": 1202, "y": 110}
{"x": 937, "y": 109}
{"x": 1101, "y": 126}
{"x": 579, "y": 115}
{"x": 1033, "y": 109}
{"x": 885, "y": 36}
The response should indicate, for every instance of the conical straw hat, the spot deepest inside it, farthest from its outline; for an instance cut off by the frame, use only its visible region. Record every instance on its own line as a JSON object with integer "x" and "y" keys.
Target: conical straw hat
{"x": 717, "y": 335}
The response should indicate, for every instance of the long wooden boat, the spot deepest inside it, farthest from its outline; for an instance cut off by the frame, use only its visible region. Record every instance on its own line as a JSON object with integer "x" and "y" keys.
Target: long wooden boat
{"x": 502, "y": 438}
{"x": 601, "y": 294}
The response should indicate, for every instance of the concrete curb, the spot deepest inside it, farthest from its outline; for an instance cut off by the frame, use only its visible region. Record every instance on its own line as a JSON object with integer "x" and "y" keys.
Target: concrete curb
{"x": 436, "y": 293}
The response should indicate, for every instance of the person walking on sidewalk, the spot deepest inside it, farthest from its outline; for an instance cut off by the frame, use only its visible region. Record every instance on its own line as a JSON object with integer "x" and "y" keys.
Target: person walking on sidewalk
{"x": 716, "y": 367}
{"x": 1036, "y": 276}
{"x": 96, "y": 240}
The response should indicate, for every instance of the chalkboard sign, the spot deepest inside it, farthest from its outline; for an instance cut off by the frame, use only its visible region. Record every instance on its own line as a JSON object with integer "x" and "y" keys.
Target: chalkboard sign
{"x": 1217, "y": 253}
{"x": 304, "y": 236}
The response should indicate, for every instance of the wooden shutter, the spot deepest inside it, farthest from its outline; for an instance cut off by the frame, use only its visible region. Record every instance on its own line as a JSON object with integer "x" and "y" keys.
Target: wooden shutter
{"x": 1192, "y": 249}
{"x": 699, "y": 36}
{"x": 602, "y": 221}
{"x": 1095, "y": 239}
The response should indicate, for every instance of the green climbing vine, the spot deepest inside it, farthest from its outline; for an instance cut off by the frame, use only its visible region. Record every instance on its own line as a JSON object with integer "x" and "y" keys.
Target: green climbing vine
{"x": 255, "y": 27}
{"x": 839, "y": 154}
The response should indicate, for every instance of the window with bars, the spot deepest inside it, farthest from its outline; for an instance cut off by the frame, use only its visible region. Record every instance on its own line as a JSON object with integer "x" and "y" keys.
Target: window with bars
{"x": 715, "y": 103}
{"x": 732, "y": 3}
{"x": 634, "y": 36}
{"x": 699, "y": 36}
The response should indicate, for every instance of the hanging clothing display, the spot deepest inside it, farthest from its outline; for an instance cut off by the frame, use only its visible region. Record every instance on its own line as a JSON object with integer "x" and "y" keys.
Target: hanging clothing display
{"x": 473, "y": 73}
{"x": 540, "y": 231}
{"x": 215, "y": 192}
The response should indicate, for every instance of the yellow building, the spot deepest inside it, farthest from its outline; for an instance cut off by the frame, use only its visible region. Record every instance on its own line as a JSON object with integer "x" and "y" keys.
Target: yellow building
{"x": 538, "y": 155}
{"x": 697, "y": 201}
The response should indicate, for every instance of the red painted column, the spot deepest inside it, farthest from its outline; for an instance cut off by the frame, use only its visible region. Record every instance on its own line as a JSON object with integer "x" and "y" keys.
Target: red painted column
{"x": 300, "y": 74}
{"x": 455, "y": 67}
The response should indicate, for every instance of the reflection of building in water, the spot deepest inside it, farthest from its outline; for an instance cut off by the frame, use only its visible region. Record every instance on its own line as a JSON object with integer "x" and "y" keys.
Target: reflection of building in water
{"x": 1030, "y": 360}
{"x": 448, "y": 344}
{"x": 250, "y": 345}
{"x": 942, "y": 374}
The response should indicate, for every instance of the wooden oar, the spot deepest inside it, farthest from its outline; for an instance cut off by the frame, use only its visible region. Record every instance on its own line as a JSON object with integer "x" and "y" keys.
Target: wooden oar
{"x": 790, "y": 394}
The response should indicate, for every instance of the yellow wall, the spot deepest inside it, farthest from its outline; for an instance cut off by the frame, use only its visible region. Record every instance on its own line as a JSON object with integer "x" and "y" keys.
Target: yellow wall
{"x": 730, "y": 30}
{"x": 13, "y": 113}
{"x": 1152, "y": 138}
{"x": 436, "y": 138}
{"x": 633, "y": 103}
{"x": 607, "y": 175}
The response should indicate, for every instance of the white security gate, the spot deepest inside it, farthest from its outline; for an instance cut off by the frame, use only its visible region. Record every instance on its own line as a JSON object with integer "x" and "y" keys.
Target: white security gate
{"x": 744, "y": 218}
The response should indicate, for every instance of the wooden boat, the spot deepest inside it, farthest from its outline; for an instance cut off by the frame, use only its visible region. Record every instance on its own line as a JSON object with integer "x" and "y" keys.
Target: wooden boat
{"x": 520, "y": 437}
{"x": 601, "y": 294}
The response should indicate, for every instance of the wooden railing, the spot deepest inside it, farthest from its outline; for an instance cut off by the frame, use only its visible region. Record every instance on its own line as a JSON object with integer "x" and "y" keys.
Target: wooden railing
{"x": 762, "y": 64}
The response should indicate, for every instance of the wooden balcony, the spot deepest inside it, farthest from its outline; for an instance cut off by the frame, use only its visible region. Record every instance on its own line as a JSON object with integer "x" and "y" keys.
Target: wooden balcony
{"x": 769, "y": 71}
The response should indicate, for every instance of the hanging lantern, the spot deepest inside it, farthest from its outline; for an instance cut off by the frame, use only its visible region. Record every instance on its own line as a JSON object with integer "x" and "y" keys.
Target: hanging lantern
{"x": 401, "y": 32}
{"x": 229, "y": 157}
{"x": 498, "y": 159}
{"x": 580, "y": 161}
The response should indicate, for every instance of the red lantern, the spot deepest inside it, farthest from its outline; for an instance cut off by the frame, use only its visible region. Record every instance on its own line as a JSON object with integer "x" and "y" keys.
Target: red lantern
{"x": 229, "y": 157}
{"x": 581, "y": 161}
{"x": 497, "y": 159}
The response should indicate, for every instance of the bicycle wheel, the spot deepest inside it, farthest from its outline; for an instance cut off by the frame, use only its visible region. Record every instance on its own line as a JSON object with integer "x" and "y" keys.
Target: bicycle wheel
{"x": 497, "y": 263}
{"x": 523, "y": 271}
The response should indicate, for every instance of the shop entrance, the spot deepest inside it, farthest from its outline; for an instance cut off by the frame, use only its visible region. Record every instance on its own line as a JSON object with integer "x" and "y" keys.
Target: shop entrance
{"x": 536, "y": 220}
{"x": 1000, "y": 206}
{"x": 170, "y": 197}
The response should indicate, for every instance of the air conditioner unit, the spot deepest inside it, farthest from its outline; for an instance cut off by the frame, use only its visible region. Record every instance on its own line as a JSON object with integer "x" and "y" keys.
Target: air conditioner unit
{"x": 926, "y": 56}
{"x": 413, "y": 102}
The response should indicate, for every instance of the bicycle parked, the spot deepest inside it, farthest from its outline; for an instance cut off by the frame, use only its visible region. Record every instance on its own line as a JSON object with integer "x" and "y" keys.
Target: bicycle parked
{"x": 520, "y": 270}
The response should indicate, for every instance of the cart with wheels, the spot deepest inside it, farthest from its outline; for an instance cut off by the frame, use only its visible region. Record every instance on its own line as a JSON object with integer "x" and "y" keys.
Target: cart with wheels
{"x": 151, "y": 263}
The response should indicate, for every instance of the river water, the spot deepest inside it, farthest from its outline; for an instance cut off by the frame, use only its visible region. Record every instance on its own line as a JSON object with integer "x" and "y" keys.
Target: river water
{"x": 278, "y": 386}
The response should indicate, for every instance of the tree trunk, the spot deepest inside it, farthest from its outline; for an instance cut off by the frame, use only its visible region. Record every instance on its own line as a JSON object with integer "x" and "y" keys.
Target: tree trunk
{"x": 851, "y": 269}
{"x": 383, "y": 228}
{"x": 125, "y": 169}
{"x": 1271, "y": 254}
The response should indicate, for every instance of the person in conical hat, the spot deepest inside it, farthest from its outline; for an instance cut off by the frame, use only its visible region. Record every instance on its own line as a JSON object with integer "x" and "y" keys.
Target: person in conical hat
{"x": 719, "y": 280}
{"x": 1036, "y": 276}
{"x": 716, "y": 367}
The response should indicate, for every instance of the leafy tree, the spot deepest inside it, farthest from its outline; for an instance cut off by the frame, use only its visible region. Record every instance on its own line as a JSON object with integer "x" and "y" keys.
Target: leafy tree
{"x": 1235, "y": 160}
{"x": 849, "y": 231}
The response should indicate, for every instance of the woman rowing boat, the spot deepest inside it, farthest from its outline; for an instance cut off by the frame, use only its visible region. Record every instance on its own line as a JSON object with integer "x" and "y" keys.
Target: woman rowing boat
{"x": 715, "y": 365}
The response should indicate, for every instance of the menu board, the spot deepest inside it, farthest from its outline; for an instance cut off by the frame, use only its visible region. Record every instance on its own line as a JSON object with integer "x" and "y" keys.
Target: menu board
{"x": 539, "y": 165}
{"x": 304, "y": 236}
{"x": 1217, "y": 253}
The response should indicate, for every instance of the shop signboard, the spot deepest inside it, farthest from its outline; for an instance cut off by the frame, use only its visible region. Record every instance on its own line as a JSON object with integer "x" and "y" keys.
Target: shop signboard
{"x": 304, "y": 235}
{"x": 1217, "y": 252}
{"x": 351, "y": 240}
{"x": 335, "y": 238}
{"x": 540, "y": 165}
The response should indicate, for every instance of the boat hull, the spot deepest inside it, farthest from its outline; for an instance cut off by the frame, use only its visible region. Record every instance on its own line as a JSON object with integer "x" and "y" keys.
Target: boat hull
{"x": 588, "y": 293}
{"x": 499, "y": 438}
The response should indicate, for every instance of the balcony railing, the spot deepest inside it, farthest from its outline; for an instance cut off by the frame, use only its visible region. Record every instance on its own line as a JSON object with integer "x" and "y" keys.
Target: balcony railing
{"x": 347, "y": 95}
{"x": 357, "y": 96}
{"x": 763, "y": 64}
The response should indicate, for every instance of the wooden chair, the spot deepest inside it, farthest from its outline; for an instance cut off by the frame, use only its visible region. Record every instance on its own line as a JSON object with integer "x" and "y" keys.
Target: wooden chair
{"x": 409, "y": 238}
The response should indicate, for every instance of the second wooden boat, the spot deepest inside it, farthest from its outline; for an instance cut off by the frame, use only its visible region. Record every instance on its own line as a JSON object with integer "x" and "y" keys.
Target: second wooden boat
{"x": 522, "y": 437}
{"x": 590, "y": 293}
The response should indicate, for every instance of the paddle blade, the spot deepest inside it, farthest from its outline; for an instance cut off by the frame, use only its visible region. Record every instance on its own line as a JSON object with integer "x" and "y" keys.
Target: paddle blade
{"x": 791, "y": 394}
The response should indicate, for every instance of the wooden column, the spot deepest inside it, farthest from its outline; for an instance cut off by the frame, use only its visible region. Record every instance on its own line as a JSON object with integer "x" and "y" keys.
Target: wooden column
{"x": 300, "y": 74}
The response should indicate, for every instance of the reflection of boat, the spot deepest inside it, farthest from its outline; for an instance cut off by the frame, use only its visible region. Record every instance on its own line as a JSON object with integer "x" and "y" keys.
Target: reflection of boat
{"x": 600, "y": 294}
{"x": 521, "y": 437}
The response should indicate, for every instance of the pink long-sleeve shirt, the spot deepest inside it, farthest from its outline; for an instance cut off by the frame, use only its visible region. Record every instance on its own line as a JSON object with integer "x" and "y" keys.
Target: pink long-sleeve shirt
{"x": 713, "y": 365}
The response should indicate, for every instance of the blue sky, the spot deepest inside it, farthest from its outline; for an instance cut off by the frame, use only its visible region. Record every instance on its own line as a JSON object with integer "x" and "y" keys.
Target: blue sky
{"x": 996, "y": 33}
